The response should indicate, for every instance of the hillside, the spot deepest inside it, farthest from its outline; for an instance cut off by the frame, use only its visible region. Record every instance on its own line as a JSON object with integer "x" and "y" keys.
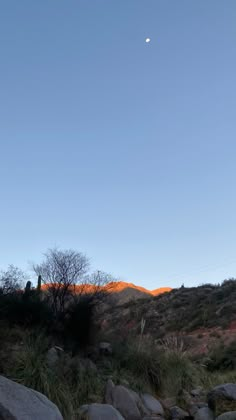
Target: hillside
{"x": 125, "y": 292}
{"x": 206, "y": 312}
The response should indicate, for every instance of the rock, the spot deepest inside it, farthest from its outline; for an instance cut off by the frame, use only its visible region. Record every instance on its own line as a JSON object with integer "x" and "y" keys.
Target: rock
{"x": 18, "y": 402}
{"x": 142, "y": 408}
{"x": 222, "y": 398}
{"x": 204, "y": 414}
{"x": 152, "y": 404}
{"x": 105, "y": 348}
{"x": 153, "y": 418}
{"x": 124, "y": 401}
{"x": 178, "y": 414}
{"x": 194, "y": 407}
{"x": 99, "y": 411}
{"x": 231, "y": 415}
{"x": 227, "y": 390}
{"x": 108, "y": 391}
{"x": 52, "y": 357}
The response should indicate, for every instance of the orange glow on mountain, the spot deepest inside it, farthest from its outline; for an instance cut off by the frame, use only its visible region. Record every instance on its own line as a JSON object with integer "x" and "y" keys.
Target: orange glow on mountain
{"x": 113, "y": 287}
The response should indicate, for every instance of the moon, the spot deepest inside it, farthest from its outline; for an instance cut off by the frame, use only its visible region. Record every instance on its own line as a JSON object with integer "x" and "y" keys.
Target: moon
{"x": 147, "y": 40}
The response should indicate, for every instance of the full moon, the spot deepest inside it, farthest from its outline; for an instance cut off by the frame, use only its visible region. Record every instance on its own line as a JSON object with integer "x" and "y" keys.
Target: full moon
{"x": 147, "y": 40}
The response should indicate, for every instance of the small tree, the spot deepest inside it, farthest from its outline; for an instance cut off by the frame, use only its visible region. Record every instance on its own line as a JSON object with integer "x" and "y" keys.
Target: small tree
{"x": 12, "y": 279}
{"x": 60, "y": 272}
{"x": 80, "y": 325}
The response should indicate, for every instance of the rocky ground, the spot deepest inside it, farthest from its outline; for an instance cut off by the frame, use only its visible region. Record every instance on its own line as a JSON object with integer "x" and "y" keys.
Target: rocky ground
{"x": 18, "y": 402}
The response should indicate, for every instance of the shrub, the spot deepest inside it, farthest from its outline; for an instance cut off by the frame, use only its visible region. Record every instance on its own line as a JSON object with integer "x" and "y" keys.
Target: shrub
{"x": 25, "y": 309}
{"x": 222, "y": 358}
{"x": 78, "y": 323}
{"x": 67, "y": 385}
{"x": 164, "y": 370}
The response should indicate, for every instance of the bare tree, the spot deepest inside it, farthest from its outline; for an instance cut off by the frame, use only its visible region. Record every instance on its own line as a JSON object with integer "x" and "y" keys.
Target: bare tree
{"x": 12, "y": 279}
{"x": 61, "y": 271}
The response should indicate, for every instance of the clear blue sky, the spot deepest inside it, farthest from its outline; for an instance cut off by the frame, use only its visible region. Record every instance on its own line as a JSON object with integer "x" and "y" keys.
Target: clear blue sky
{"x": 117, "y": 148}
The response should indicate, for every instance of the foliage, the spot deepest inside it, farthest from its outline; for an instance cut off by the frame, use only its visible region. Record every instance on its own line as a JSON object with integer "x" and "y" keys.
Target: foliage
{"x": 222, "y": 357}
{"x": 166, "y": 372}
{"x": 79, "y": 322}
{"x": 61, "y": 271}
{"x": 12, "y": 279}
{"x": 25, "y": 309}
{"x": 73, "y": 385}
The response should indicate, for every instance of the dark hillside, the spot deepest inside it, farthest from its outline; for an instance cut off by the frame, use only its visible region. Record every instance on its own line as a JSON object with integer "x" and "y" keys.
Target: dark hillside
{"x": 185, "y": 310}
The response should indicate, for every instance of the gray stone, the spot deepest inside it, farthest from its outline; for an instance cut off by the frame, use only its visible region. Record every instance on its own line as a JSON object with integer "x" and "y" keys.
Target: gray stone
{"x": 52, "y": 357}
{"x": 228, "y": 391}
{"x": 124, "y": 401}
{"x": 153, "y": 418}
{"x": 152, "y": 404}
{"x": 142, "y": 408}
{"x": 204, "y": 414}
{"x": 178, "y": 413}
{"x": 194, "y": 407}
{"x": 222, "y": 398}
{"x": 231, "y": 415}
{"x": 18, "y": 402}
{"x": 100, "y": 412}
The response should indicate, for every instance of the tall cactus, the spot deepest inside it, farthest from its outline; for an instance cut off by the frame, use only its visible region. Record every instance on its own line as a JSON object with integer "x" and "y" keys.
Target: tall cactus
{"x": 28, "y": 287}
{"x": 39, "y": 284}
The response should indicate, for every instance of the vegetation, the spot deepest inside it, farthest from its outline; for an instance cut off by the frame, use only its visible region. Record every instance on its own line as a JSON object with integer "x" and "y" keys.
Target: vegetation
{"x": 149, "y": 356}
{"x": 184, "y": 310}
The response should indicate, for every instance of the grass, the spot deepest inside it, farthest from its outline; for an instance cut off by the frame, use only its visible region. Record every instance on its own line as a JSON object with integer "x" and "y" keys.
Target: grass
{"x": 67, "y": 387}
{"x": 163, "y": 370}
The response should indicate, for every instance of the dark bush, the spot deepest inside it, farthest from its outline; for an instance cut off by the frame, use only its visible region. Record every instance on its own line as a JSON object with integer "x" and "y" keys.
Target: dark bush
{"x": 25, "y": 309}
{"x": 222, "y": 358}
{"x": 78, "y": 323}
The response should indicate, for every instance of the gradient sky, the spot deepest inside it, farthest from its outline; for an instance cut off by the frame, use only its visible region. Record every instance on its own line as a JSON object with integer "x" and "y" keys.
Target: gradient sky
{"x": 117, "y": 148}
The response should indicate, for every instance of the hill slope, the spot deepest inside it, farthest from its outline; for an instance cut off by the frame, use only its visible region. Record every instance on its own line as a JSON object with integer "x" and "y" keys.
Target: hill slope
{"x": 203, "y": 311}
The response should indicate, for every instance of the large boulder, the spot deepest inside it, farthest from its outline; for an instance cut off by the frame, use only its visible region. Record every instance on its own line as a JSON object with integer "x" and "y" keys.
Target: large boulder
{"x": 204, "y": 414}
{"x": 18, "y": 402}
{"x": 222, "y": 398}
{"x": 99, "y": 411}
{"x": 152, "y": 404}
{"x": 124, "y": 401}
{"x": 231, "y": 415}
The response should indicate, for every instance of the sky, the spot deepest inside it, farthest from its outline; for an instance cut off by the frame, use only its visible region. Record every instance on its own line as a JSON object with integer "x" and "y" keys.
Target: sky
{"x": 120, "y": 149}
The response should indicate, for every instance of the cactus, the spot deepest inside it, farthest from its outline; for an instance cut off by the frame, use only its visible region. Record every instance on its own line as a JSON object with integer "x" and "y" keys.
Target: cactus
{"x": 28, "y": 287}
{"x": 39, "y": 284}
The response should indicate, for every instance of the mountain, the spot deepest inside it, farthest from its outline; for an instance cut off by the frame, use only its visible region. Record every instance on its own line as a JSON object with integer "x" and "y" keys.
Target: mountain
{"x": 202, "y": 315}
{"x": 124, "y": 292}
{"x": 120, "y": 291}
